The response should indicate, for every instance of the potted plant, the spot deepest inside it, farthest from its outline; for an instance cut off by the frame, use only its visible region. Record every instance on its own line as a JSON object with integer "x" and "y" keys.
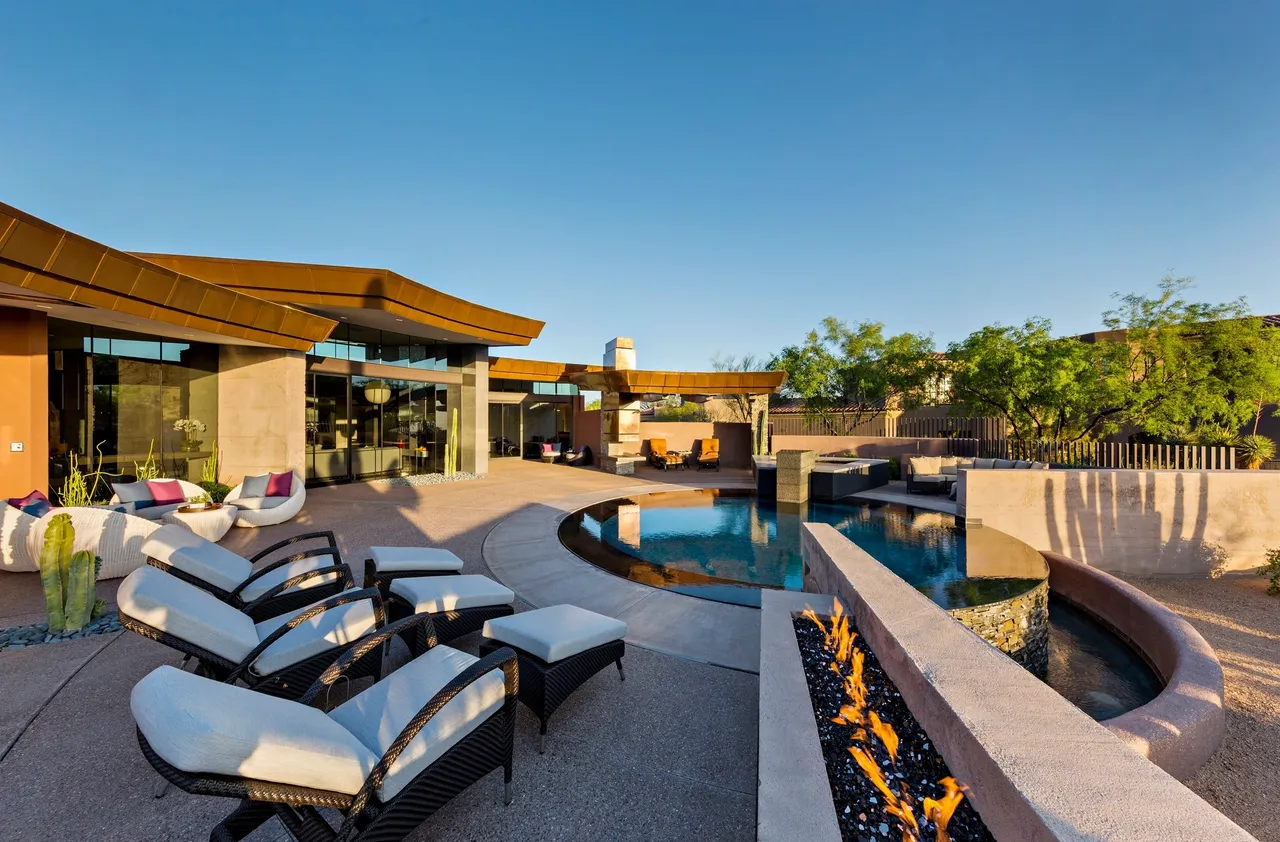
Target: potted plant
{"x": 190, "y": 428}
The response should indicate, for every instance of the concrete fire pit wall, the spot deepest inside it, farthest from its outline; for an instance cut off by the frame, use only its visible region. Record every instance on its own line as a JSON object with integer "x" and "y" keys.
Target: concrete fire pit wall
{"x": 1038, "y": 768}
{"x": 1180, "y": 729}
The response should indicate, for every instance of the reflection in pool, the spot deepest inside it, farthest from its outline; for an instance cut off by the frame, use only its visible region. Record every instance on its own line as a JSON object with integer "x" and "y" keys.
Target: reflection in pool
{"x": 726, "y": 545}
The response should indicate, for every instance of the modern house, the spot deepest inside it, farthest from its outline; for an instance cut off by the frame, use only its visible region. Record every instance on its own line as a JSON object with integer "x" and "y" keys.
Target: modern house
{"x": 346, "y": 373}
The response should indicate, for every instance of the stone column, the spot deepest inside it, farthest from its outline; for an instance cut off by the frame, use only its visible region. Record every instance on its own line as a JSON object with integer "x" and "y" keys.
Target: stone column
{"x": 262, "y": 410}
{"x": 619, "y": 431}
{"x": 794, "y": 467}
{"x": 24, "y": 382}
{"x": 471, "y": 399}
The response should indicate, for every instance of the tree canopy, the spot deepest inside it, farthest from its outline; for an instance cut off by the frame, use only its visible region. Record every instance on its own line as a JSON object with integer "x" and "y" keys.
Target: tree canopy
{"x": 847, "y": 376}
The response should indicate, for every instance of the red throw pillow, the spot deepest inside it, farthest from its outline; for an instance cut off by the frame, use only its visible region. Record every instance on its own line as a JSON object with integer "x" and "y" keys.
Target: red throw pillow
{"x": 34, "y": 504}
{"x": 280, "y": 485}
{"x": 166, "y": 492}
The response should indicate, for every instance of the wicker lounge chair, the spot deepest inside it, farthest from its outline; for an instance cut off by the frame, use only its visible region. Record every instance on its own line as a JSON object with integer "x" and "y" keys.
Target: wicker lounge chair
{"x": 708, "y": 453}
{"x": 581, "y": 457}
{"x": 268, "y": 511}
{"x": 386, "y": 760}
{"x": 282, "y": 656}
{"x": 286, "y": 584}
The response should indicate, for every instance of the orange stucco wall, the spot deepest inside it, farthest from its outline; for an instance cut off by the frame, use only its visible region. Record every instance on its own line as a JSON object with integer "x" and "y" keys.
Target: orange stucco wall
{"x": 24, "y": 385}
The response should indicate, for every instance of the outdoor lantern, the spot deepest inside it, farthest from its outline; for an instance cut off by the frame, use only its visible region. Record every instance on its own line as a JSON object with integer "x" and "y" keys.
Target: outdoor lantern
{"x": 377, "y": 392}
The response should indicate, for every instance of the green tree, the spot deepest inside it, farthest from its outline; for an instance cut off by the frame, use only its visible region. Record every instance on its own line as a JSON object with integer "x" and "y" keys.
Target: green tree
{"x": 1170, "y": 368}
{"x": 595, "y": 404}
{"x": 847, "y": 376}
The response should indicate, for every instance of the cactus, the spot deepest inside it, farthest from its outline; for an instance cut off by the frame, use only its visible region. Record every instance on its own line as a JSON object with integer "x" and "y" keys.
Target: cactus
{"x": 68, "y": 578}
{"x": 451, "y": 445}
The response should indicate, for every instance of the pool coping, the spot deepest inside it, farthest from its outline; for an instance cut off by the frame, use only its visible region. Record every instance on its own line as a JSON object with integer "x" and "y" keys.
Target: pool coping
{"x": 523, "y": 551}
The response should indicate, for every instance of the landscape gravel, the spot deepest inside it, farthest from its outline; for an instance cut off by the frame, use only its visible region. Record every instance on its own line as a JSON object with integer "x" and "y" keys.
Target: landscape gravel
{"x": 20, "y": 637}
{"x": 427, "y": 479}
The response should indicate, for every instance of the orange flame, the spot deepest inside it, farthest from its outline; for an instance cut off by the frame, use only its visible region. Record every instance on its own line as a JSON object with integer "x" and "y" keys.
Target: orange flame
{"x": 809, "y": 614}
{"x": 940, "y": 811}
{"x": 887, "y": 735}
{"x": 873, "y": 773}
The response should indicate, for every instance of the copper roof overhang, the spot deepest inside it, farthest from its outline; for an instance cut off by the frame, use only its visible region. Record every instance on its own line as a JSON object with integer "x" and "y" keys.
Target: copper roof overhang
{"x": 632, "y": 381}
{"x": 345, "y": 291}
{"x": 539, "y": 370}
{"x": 45, "y": 259}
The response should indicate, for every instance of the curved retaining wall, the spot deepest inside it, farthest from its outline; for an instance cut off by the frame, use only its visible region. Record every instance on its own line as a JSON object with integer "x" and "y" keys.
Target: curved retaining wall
{"x": 1018, "y": 627}
{"x": 1180, "y": 729}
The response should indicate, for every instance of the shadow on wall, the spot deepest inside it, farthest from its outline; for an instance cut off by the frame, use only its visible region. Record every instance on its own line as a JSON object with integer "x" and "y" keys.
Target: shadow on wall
{"x": 1156, "y": 524}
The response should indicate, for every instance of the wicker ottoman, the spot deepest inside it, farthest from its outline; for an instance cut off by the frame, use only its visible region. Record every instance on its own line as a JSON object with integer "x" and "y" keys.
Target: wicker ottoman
{"x": 458, "y": 605}
{"x": 386, "y": 564}
{"x": 558, "y": 649}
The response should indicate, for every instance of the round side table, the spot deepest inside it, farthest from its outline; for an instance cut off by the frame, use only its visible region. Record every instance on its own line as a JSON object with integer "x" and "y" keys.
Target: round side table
{"x": 210, "y": 524}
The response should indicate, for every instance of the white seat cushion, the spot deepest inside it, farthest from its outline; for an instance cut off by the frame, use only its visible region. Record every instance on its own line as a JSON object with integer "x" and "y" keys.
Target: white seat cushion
{"x": 257, "y": 504}
{"x": 408, "y": 559}
{"x": 931, "y": 477}
{"x": 378, "y": 715}
{"x": 556, "y": 632}
{"x": 335, "y": 627}
{"x": 210, "y": 563}
{"x": 171, "y": 605}
{"x": 204, "y": 727}
{"x": 433, "y": 594}
{"x": 161, "y": 543}
{"x": 285, "y": 572}
{"x": 157, "y": 512}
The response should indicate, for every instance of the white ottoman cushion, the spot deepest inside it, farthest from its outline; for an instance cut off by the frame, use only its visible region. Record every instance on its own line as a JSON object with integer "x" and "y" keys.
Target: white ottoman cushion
{"x": 206, "y": 727}
{"x": 433, "y": 594}
{"x": 410, "y": 559}
{"x": 378, "y": 715}
{"x": 171, "y": 605}
{"x": 335, "y": 627}
{"x": 210, "y": 563}
{"x": 556, "y": 632}
{"x": 286, "y": 572}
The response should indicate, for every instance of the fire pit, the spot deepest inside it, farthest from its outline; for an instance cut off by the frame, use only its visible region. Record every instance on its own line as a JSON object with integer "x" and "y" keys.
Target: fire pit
{"x": 887, "y": 779}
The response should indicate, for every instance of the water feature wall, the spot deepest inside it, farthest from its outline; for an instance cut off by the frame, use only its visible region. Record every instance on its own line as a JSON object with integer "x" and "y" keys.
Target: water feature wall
{"x": 1018, "y": 627}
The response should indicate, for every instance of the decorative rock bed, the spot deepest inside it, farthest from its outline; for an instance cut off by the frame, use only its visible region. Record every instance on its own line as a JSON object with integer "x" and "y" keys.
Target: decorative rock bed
{"x": 427, "y": 479}
{"x": 22, "y": 637}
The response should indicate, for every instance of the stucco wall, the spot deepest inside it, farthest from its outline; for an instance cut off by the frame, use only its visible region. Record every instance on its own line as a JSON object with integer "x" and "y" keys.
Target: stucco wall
{"x": 261, "y": 411}
{"x": 1176, "y": 523}
{"x": 24, "y": 381}
{"x": 735, "y": 438}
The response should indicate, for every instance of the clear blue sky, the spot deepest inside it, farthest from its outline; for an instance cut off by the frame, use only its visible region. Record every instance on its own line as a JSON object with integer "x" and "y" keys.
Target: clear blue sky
{"x": 702, "y": 176}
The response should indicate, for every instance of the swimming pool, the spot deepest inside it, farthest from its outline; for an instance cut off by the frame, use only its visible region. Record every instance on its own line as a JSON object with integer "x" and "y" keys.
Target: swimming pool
{"x": 726, "y": 545}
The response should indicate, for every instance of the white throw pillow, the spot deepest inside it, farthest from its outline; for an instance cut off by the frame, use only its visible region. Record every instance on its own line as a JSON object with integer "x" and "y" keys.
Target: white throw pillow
{"x": 1004, "y": 463}
{"x": 949, "y": 464}
{"x": 255, "y": 486}
{"x": 1022, "y": 463}
{"x": 1040, "y": 466}
{"x": 926, "y": 465}
{"x": 984, "y": 463}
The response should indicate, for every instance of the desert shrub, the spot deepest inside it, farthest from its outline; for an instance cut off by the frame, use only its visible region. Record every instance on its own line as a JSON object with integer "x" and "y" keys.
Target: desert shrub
{"x": 217, "y": 491}
{"x": 1272, "y": 570}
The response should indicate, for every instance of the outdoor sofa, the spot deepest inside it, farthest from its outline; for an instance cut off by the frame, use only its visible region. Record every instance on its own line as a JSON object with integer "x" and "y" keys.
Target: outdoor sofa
{"x": 933, "y": 474}
{"x": 286, "y": 584}
{"x": 263, "y": 501}
{"x": 385, "y": 760}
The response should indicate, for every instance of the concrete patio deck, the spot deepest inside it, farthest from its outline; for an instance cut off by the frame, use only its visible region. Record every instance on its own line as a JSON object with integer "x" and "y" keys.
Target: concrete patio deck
{"x": 667, "y": 755}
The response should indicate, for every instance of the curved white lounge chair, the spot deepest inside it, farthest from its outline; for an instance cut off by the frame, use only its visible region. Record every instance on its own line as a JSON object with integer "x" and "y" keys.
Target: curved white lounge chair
{"x": 281, "y": 656}
{"x": 15, "y": 530}
{"x": 268, "y": 511}
{"x": 115, "y": 537}
{"x": 135, "y": 496}
{"x": 386, "y": 759}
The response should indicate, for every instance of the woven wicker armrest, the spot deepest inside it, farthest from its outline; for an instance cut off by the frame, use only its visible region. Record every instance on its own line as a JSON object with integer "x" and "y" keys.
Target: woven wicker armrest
{"x": 344, "y": 598}
{"x": 504, "y": 659}
{"x": 365, "y": 645}
{"x": 327, "y": 535}
{"x": 344, "y": 575}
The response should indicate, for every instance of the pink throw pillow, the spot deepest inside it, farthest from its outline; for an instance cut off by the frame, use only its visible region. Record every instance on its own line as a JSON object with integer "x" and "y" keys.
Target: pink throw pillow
{"x": 280, "y": 485}
{"x": 166, "y": 492}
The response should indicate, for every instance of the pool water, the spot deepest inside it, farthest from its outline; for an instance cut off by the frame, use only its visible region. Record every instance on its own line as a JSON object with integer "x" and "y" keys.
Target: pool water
{"x": 725, "y": 546}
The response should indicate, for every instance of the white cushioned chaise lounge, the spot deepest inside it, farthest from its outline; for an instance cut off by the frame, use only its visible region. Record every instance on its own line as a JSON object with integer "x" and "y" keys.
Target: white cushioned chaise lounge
{"x": 300, "y": 578}
{"x": 282, "y": 656}
{"x": 386, "y": 759}
{"x": 252, "y": 511}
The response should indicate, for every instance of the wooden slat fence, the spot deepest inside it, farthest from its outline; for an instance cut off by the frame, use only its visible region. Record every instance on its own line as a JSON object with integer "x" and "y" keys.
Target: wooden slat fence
{"x": 1124, "y": 455}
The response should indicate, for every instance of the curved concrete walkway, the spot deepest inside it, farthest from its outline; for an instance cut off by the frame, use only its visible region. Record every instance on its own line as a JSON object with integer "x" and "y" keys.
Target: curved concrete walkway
{"x": 525, "y": 553}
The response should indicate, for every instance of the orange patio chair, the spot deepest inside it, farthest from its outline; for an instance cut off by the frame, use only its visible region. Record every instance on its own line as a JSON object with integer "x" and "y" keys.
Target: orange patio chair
{"x": 709, "y": 453}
